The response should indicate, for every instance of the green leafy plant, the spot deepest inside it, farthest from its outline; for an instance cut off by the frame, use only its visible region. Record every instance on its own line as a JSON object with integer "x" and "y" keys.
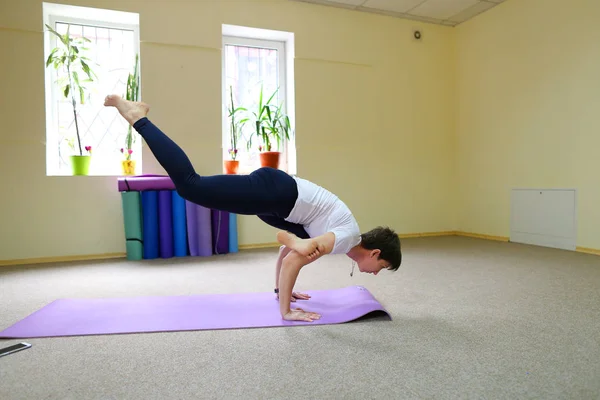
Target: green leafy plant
{"x": 235, "y": 126}
{"x": 132, "y": 93}
{"x": 259, "y": 116}
{"x": 69, "y": 57}
{"x": 276, "y": 126}
{"x": 271, "y": 122}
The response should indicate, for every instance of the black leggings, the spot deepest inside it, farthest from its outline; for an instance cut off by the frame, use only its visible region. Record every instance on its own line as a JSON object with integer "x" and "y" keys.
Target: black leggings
{"x": 267, "y": 193}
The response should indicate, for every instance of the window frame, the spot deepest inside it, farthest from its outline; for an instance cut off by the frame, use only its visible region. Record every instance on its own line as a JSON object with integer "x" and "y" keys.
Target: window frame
{"x": 281, "y": 47}
{"x": 52, "y": 92}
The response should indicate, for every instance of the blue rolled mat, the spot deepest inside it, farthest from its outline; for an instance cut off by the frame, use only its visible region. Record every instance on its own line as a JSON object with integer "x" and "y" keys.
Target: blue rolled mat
{"x": 233, "y": 235}
{"x": 179, "y": 225}
{"x": 132, "y": 221}
{"x": 220, "y": 231}
{"x": 165, "y": 224}
{"x": 150, "y": 223}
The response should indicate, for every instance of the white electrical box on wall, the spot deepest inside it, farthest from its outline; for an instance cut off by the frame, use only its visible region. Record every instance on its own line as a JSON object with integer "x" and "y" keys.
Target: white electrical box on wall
{"x": 544, "y": 217}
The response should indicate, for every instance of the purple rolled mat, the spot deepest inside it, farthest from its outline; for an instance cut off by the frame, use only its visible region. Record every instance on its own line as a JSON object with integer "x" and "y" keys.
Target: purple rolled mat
{"x": 192, "y": 227}
{"x": 204, "y": 231}
{"x": 199, "y": 230}
{"x": 89, "y": 316}
{"x": 165, "y": 224}
{"x": 145, "y": 182}
{"x": 220, "y": 232}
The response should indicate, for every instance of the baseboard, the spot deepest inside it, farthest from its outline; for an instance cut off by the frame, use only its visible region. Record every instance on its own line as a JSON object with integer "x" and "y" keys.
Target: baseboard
{"x": 455, "y": 233}
{"x": 258, "y": 246}
{"x": 92, "y": 257}
{"x": 106, "y": 256}
{"x": 426, "y": 234}
{"x": 578, "y": 249}
{"x": 46, "y": 260}
{"x": 481, "y": 236}
{"x": 587, "y": 250}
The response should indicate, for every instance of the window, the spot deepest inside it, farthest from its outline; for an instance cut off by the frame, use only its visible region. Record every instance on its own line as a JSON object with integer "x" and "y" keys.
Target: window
{"x": 253, "y": 61}
{"x": 112, "y": 49}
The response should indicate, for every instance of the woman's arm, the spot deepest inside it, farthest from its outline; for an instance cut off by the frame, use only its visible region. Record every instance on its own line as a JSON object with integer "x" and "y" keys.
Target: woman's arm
{"x": 283, "y": 251}
{"x": 290, "y": 268}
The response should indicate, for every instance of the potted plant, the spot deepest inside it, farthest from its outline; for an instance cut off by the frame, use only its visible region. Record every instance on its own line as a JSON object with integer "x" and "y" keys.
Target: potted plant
{"x": 69, "y": 57}
{"x": 235, "y": 128}
{"x": 128, "y": 165}
{"x": 276, "y": 128}
{"x": 132, "y": 93}
{"x": 272, "y": 127}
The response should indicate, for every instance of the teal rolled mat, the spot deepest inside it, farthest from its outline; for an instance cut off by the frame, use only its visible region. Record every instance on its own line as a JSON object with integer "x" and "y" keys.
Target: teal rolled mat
{"x": 132, "y": 219}
{"x": 233, "y": 234}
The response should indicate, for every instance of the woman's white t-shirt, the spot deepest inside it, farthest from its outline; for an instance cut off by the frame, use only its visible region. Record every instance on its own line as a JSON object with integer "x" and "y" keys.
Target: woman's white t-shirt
{"x": 320, "y": 211}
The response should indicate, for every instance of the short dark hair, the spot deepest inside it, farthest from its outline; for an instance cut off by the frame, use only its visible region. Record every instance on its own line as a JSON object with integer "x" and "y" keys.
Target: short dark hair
{"x": 387, "y": 241}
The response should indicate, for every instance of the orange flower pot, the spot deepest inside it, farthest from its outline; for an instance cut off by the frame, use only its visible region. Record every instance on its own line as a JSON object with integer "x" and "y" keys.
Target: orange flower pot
{"x": 270, "y": 159}
{"x": 232, "y": 166}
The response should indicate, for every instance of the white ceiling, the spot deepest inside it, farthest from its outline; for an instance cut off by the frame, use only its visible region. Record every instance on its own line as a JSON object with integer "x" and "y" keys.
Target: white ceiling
{"x": 443, "y": 12}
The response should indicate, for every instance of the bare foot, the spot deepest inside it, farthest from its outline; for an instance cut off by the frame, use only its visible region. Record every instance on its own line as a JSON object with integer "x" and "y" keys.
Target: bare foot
{"x": 130, "y": 110}
{"x": 307, "y": 247}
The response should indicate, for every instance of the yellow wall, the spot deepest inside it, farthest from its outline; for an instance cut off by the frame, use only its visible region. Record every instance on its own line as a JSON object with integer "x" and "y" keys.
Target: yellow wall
{"x": 528, "y": 99}
{"x": 374, "y": 112}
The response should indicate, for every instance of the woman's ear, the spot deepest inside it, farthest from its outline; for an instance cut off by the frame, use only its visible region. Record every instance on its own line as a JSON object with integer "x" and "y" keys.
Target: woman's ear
{"x": 375, "y": 253}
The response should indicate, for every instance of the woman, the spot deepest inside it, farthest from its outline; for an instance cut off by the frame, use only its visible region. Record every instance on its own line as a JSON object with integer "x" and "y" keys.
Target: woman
{"x": 313, "y": 221}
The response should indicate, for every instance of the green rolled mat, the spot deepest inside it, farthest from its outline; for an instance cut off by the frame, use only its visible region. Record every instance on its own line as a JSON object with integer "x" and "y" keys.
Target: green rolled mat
{"x": 132, "y": 218}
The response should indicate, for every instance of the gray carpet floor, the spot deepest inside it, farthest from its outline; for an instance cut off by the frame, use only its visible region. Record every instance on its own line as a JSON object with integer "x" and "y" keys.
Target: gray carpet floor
{"x": 472, "y": 319}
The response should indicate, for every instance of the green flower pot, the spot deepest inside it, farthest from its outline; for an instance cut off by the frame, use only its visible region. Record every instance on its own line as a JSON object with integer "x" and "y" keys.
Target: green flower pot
{"x": 80, "y": 165}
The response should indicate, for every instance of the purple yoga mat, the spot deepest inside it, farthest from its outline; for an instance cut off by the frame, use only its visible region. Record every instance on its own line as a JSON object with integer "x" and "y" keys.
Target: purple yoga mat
{"x": 198, "y": 222}
{"x": 220, "y": 232}
{"x": 77, "y": 317}
{"x": 145, "y": 182}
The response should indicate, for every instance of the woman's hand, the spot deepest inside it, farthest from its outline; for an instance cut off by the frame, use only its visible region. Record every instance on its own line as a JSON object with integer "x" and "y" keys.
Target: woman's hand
{"x": 296, "y": 295}
{"x": 298, "y": 314}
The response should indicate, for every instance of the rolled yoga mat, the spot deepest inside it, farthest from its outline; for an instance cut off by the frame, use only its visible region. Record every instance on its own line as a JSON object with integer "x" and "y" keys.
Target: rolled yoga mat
{"x": 199, "y": 229}
{"x": 144, "y": 182}
{"x": 132, "y": 220}
{"x": 192, "y": 227}
{"x": 165, "y": 224}
{"x": 78, "y": 317}
{"x": 220, "y": 231}
{"x": 179, "y": 225}
{"x": 150, "y": 223}
{"x": 233, "y": 235}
